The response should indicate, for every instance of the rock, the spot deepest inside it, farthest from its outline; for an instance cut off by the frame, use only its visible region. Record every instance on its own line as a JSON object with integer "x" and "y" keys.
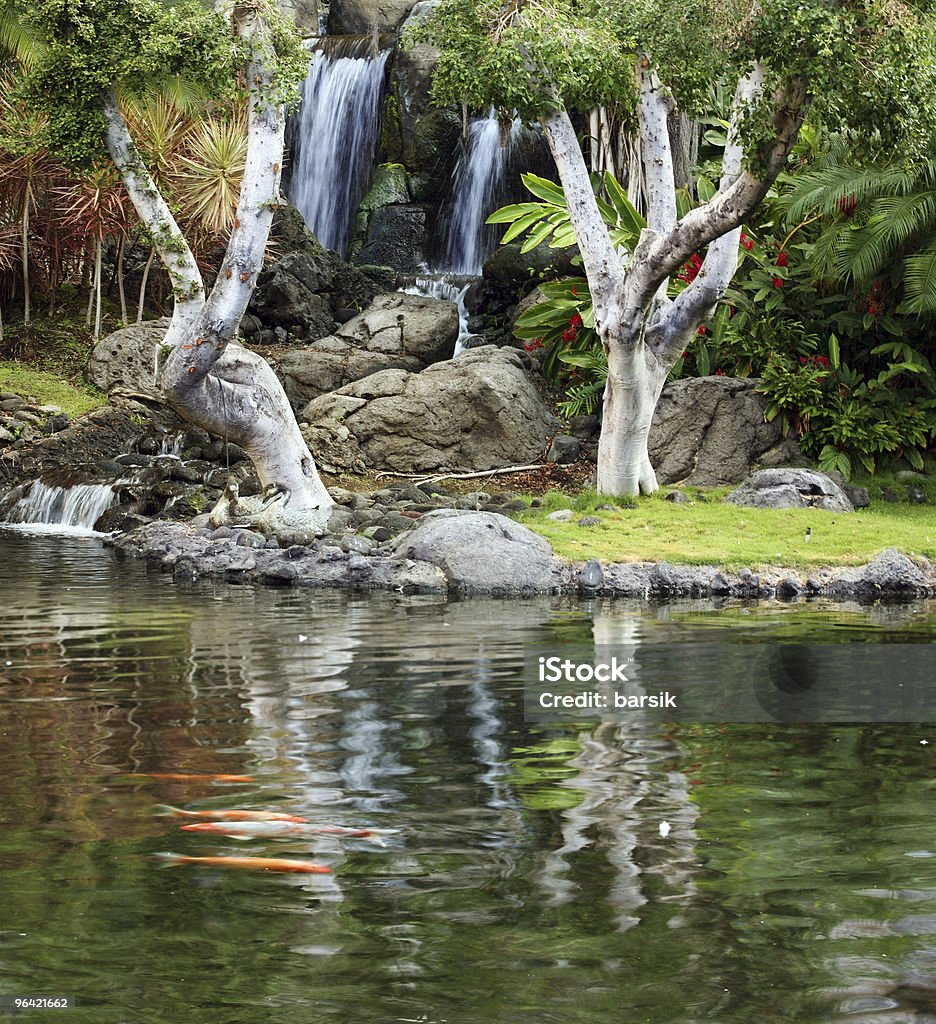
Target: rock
{"x": 892, "y": 574}
{"x": 591, "y": 577}
{"x": 564, "y": 450}
{"x": 476, "y": 412}
{"x": 405, "y": 332}
{"x": 303, "y": 289}
{"x": 583, "y": 426}
{"x": 127, "y": 358}
{"x": 790, "y": 488}
{"x": 916, "y": 495}
{"x": 678, "y": 497}
{"x": 711, "y": 430}
{"x": 563, "y": 515}
{"x": 364, "y": 17}
{"x": 858, "y": 496}
{"x": 482, "y": 552}
{"x": 396, "y": 237}
{"x": 589, "y": 521}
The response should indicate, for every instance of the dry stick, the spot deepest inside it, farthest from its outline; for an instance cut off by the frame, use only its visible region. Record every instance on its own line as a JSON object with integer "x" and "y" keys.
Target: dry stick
{"x": 121, "y": 246}
{"x": 97, "y": 289}
{"x": 27, "y": 305}
{"x": 461, "y": 476}
{"x": 146, "y": 271}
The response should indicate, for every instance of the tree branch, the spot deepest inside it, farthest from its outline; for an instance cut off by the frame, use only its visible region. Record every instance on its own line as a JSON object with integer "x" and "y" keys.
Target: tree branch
{"x": 168, "y": 240}
{"x": 189, "y": 363}
{"x": 736, "y": 200}
{"x": 654, "y": 111}
{"x": 603, "y": 266}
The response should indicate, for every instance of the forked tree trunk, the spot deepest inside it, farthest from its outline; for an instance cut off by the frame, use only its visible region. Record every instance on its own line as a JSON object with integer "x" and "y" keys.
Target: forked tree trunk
{"x": 642, "y": 329}
{"x": 206, "y": 376}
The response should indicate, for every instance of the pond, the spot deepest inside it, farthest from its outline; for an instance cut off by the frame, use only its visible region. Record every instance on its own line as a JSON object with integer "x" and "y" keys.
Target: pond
{"x": 542, "y": 873}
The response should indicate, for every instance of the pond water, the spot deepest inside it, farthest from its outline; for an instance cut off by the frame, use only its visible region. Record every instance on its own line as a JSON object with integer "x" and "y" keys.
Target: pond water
{"x": 532, "y": 880}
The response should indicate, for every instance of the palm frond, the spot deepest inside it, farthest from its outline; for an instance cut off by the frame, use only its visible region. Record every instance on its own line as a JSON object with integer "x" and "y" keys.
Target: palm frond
{"x": 207, "y": 181}
{"x": 920, "y": 280}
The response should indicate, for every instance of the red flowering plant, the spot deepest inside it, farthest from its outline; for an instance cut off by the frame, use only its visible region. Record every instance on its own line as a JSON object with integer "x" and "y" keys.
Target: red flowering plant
{"x": 562, "y": 323}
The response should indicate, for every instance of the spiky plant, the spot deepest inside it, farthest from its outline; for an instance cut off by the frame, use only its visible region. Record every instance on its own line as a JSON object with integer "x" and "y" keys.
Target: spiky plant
{"x": 876, "y": 222}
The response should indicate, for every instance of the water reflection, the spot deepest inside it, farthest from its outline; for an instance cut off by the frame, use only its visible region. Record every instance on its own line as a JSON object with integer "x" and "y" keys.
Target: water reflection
{"x": 530, "y": 880}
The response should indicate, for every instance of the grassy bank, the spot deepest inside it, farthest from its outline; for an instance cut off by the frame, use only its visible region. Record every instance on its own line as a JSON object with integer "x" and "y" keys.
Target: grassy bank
{"x": 708, "y": 531}
{"x": 49, "y": 389}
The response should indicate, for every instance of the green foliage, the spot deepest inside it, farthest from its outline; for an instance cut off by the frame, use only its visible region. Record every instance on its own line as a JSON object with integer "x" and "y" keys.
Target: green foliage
{"x": 869, "y": 66}
{"x": 90, "y": 46}
{"x": 564, "y": 322}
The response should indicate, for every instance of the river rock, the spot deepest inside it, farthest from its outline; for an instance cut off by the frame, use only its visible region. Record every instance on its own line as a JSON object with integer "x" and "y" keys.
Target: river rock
{"x": 477, "y": 411}
{"x": 399, "y": 332}
{"x": 127, "y": 358}
{"x": 791, "y": 488}
{"x": 891, "y": 574}
{"x": 482, "y": 552}
{"x": 709, "y": 431}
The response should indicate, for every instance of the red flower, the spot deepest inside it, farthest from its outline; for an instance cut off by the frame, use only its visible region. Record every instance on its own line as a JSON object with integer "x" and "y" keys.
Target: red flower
{"x": 529, "y": 346}
{"x": 782, "y": 258}
{"x": 777, "y": 282}
{"x": 570, "y": 335}
{"x": 822, "y": 360}
{"x": 819, "y": 380}
{"x": 702, "y": 329}
{"x": 719, "y": 372}
{"x": 574, "y": 292}
{"x": 802, "y": 359}
{"x": 847, "y": 205}
{"x": 690, "y": 269}
{"x": 683, "y": 356}
{"x": 747, "y": 242}
{"x": 575, "y": 320}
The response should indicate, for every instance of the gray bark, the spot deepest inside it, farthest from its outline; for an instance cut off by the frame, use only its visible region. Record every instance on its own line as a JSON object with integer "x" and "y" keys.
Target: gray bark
{"x": 643, "y": 331}
{"x": 205, "y": 376}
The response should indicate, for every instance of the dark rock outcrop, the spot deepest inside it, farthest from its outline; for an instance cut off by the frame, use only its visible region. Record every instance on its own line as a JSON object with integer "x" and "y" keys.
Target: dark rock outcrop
{"x": 477, "y": 411}
{"x": 711, "y": 430}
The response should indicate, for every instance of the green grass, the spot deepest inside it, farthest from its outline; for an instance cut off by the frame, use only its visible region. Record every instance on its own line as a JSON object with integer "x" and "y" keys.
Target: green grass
{"x": 49, "y": 389}
{"x": 710, "y": 532}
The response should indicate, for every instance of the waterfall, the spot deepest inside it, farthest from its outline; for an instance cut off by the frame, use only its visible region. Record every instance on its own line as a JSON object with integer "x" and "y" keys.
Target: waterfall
{"x": 77, "y": 507}
{"x": 338, "y": 124}
{"x": 444, "y": 287}
{"x": 478, "y": 173}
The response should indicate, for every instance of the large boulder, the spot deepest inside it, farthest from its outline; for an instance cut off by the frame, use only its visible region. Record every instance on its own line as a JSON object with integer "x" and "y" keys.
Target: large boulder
{"x": 307, "y": 289}
{"x": 711, "y": 430}
{"x": 477, "y": 411}
{"x": 362, "y": 17}
{"x": 482, "y": 552}
{"x": 404, "y": 332}
{"x": 791, "y": 488}
{"x": 127, "y": 358}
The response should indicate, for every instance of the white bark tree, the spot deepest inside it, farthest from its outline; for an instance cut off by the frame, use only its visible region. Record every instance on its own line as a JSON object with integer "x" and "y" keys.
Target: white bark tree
{"x": 95, "y": 48}
{"x": 205, "y": 375}
{"x": 546, "y": 57}
{"x": 642, "y": 330}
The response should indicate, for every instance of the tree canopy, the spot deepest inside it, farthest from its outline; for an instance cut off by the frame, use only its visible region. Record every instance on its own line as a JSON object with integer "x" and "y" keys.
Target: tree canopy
{"x": 868, "y": 65}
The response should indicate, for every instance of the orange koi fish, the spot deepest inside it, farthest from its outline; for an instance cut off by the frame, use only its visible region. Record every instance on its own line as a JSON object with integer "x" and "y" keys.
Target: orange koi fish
{"x": 278, "y": 829}
{"x": 179, "y": 777}
{"x": 303, "y": 867}
{"x": 227, "y": 815}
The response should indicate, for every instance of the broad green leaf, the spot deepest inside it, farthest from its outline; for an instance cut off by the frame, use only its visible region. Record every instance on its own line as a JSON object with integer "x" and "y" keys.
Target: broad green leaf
{"x": 544, "y": 189}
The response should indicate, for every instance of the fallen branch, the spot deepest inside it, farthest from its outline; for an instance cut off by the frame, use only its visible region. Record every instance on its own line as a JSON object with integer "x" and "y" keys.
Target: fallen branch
{"x": 420, "y": 479}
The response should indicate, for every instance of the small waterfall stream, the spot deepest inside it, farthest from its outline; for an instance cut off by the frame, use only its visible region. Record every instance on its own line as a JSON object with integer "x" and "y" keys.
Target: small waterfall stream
{"x": 478, "y": 174}
{"x": 338, "y": 124}
{"x": 77, "y": 507}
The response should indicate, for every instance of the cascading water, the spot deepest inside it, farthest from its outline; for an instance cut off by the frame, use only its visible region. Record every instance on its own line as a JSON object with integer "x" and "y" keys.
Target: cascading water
{"x": 338, "y": 124}
{"x": 478, "y": 173}
{"x": 76, "y": 507}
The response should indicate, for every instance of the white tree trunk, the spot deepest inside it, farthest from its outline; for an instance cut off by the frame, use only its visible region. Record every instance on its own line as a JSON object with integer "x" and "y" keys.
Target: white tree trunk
{"x": 208, "y": 378}
{"x": 642, "y": 329}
